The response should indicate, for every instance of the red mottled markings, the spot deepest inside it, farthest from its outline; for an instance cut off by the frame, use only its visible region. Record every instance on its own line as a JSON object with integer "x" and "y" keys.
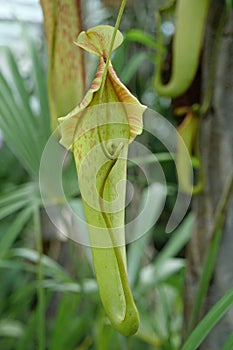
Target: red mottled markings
{"x": 66, "y": 70}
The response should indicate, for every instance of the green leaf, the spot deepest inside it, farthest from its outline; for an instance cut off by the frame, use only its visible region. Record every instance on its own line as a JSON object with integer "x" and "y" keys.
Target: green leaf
{"x": 40, "y": 86}
{"x": 87, "y": 287}
{"x": 50, "y": 267}
{"x": 150, "y": 277}
{"x": 24, "y": 132}
{"x": 164, "y": 264}
{"x": 12, "y": 208}
{"x": 18, "y": 193}
{"x": 67, "y": 315}
{"x": 229, "y": 5}
{"x": 150, "y": 159}
{"x": 15, "y": 130}
{"x": 25, "y": 341}
{"x": 228, "y": 345}
{"x": 141, "y": 37}
{"x": 23, "y": 96}
{"x": 14, "y": 265}
{"x": 132, "y": 66}
{"x": 176, "y": 242}
{"x": 209, "y": 321}
{"x": 16, "y": 199}
{"x": 11, "y": 328}
{"x": 7, "y": 239}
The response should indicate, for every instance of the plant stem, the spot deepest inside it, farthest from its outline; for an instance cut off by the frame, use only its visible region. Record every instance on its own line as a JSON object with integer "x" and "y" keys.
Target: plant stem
{"x": 120, "y": 14}
{"x": 40, "y": 290}
{"x": 211, "y": 255}
{"x": 102, "y": 87}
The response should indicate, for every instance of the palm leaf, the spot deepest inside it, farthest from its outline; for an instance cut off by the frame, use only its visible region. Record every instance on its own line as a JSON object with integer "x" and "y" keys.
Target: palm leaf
{"x": 8, "y": 238}
{"x": 40, "y": 85}
{"x": 16, "y": 199}
{"x": 25, "y": 132}
{"x": 15, "y": 128}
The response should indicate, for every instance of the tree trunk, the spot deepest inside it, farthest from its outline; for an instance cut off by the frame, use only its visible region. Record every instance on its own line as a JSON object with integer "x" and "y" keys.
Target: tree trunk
{"x": 216, "y": 146}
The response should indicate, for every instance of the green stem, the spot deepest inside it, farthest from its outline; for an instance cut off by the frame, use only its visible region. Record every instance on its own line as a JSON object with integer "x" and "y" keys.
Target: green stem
{"x": 40, "y": 290}
{"x": 102, "y": 87}
{"x": 211, "y": 255}
{"x": 120, "y": 14}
